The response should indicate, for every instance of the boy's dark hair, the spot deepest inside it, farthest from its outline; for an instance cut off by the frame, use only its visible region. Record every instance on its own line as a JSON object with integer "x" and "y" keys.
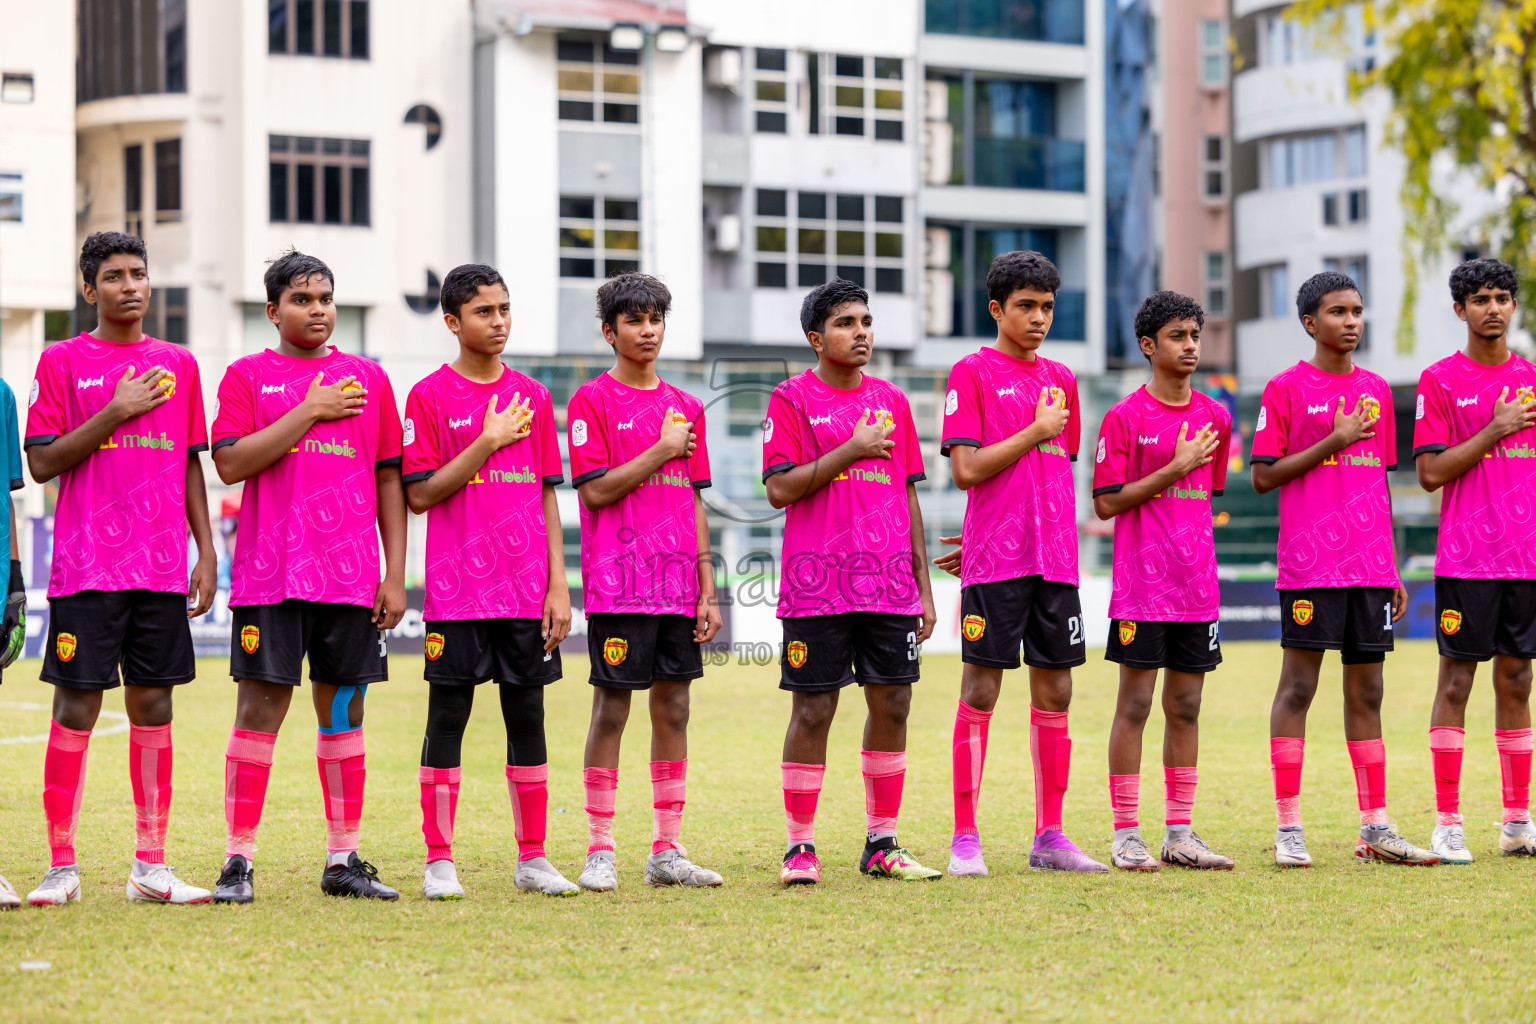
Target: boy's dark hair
{"x": 104, "y": 244}
{"x": 1022, "y": 268}
{"x": 293, "y": 266}
{"x": 1162, "y": 308}
{"x": 1475, "y": 275}
{"x": 824, "y": 298}
{"x": 464, "y": 282}
{"x": 1310, "y": 295}
{"x": 632, "y": 293}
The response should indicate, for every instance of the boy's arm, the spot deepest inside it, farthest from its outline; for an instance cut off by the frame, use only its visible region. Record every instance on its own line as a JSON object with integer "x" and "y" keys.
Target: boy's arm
{"x": 920, "y": 565}
{"x": 676, "y": 441}
{"x": 133, "y": 396}
{"x": 249, "y": 455}
{"x": 1189, "y": 454}
{"x": 557, "y": 597}
{"x": 203, "y": 583}
{"x": 707, "y": 619}
{"x": 1438, "y": 468}
{"x": 1348, "y": 427}
{"x": 871, "y": 440}
{"x": 499, "y": 430}
{"x": 389, "y": 603}
{"x": 970, "y": 466}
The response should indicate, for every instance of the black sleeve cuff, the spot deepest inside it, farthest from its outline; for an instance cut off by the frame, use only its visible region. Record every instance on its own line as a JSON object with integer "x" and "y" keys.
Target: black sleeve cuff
{"x": 699, "y": 485}
{"x": 1107, "y": 489}
{"x": 1071, "y": 458}
{"x": 1217, "y": 494}
{"x": 411, "y": 478}
{"x": 1268, "y": 460}
{"x": 913, "y": 478}
{"x": 1429, "y": 449}
{"x": 553, "y": 481}
{"x": 1392, "y": 468}
{"x": 17, "y": 485}
{"x": 949, "y": 442}
{"x": 394, "y": 462}
{"x": 37, "y": 439}
{"x": 591, "y": 474}
{"x": 197, "y": 449}
{"x": 777, "y": 467}
{"x": 223, "y": 441}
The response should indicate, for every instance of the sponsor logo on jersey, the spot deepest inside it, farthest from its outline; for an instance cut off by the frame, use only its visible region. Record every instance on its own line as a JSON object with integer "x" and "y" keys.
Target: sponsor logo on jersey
{"x": 1102, "y": 451}
{"x": 81, "y": 383}
{"x": 951, "y": 402}
{"x": 796, "y": 652}
{"x": 250, "y": 639}
{"x": 628, "y": 424}
{"x": 819, "y": 421}
{"x": 1418, "y": 409}
{"x": 65, "y": 646}
{"x": 1323, "y": 408}
{"x": 1127, "y": 632}
{"x": 410, "y": 432}
{"x": 578, "y": 432}
{"x": 615, "y": 650}
{"x": 454, "y": 424}
{"x": 273, "y": 389}
{"x": 972, "y": 627}
{"x": 1144, "y": 439}
{"x": 1462, "y": 403}
{"x": 1004, "y": 391}
{"x": 767, "y": 430}
{"x": 1301, "y": 611}
{"x": 32, "y": 398}
{"x": 1450, "y": 621}
{"x": 434, "y": 646}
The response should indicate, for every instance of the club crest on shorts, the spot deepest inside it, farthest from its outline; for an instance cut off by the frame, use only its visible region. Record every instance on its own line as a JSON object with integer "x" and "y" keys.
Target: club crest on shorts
{"x": 972, "y": 627}
{"x": 1301, "y": 611}
{"x": 1127, "y": 631}
{"x": 796, "y": 652}
{"x": 434, "y": 646}
{"x": 250, "y": 639}
{"x": 615, "y": 650}
{"x": 1450, "y": 621}
{"x": 65, "y": 646}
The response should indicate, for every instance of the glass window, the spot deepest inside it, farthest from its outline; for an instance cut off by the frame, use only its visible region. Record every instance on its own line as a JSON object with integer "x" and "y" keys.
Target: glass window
{"x": 849, "y": 67}
{"x": 772, "y": 202}
{"x": 123, "y": 48}
{"x": 811, "y": 205}
{"x": 850, "y": 207}
{"x": 888, "y": 209}
{"x": 596, "y": 82}
{"x": 850, "y": 243}
{"x": 598, "y": 233}
{"x": 812, "y": 241}
{"x": 1275, "y": 282}
{"x": 772, "y": 275}
{"x": 1355, "y": 153}
{"x": 168, "y": 179}
{"x": 12, "y": 194}
{"x": 1215, "y": 266}
{"x": 771, "y": 92}
{"x": 1050, "y": 21}
{"x": 771, "y": 238}
{"x": 133, "y": 180}
{"x": 324, "y": 181}
{"x": 326, "y": 28}
{"x": 888, "y": 279}
{"x": 1210, "y": 33}
{"x": 772, "y": 60}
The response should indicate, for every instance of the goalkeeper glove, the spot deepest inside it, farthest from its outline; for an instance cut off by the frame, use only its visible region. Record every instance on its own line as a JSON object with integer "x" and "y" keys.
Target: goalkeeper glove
{"x": 13, "y": 626}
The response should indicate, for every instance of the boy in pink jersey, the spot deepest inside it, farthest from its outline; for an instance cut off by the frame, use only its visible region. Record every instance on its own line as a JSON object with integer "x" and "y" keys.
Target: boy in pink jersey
{"x": 840, "y": 452}
{"x": 1473, "y": 435}
{"x": 117, "y": 416}
{"x": 1011, "y": 430}
{"x": 497, "y": 601}
{"x": 1160, "y": 459}
{"x": 1325, "y": 437}
{"x": 315, "y": 435}
{"x": 639, "y": 461}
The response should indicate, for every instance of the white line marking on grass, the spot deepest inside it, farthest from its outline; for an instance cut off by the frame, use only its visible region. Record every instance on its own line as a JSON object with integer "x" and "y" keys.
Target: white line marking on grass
{"x": 118, "y": 719}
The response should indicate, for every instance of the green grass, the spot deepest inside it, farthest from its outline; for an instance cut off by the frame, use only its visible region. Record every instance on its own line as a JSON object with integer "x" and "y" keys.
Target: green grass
{"x": 1340, "y": 941}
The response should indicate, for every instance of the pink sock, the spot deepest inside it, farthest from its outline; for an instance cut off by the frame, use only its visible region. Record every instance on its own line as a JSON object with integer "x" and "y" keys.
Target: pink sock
{"x": 1515, "y": 770}
{"x": 1179, "y": 794}
{"x": 528, "y": 786}
{"x": 602, "y": 792}
{"x": 669, "y": 787}
{"x": 1369, "y": 758}
{"x": 63, "y": 786}
{"x": 802, "y": 788}
{"x": 1285, "y": 756}
{"x": 884, "y": 773}
{"x": 439, "y": 803}
{"x": 969, "y": 757}
{"x": 247, "y": 766}
{"x": 1051, "y": 749}
{"x": 343, "y": 773}
{"x": 1125, "y": 799}
{"x": 149, "y": 768}
{"x": 1446, "y": 743}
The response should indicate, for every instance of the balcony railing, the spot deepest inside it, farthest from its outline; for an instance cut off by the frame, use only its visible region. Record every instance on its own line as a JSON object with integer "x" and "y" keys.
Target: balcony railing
{"x": 1038, "y": 162}
{"x": 1046, "y": 21}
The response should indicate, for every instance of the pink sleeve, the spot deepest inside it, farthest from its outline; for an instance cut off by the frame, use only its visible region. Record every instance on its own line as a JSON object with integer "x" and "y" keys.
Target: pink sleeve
{"x": 422, "y": 454}
{"x": 1269, "y": 433}
{"x": 962, "y": 409}
{"x": 1074, "y": 420}
{"x": 235, "y": 416}
{"x": 912, "y": 448}
{"x": 1112, "y": 456}
{"x": 1223, "y": 456}
{"x": 550, "y": 471}
{"x": 1431, "y": 416}
{"x": 390, "y": 433}
{"x": 1386, "y": 432}
{"x": 197, "y": 416}
{"x": 47, "y": 406}
{"x": 783, "y": 446}
{"x": 698, "y": 463}
{"x": 587, "y": 438}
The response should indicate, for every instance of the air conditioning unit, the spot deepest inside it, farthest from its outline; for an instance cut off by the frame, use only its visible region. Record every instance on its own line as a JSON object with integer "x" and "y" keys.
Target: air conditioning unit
{"x": 938, "y": 303}
{"x": 936, "y": 243}
{"x": 727, "y": 233}
{"x": 938, "y": 152}
{"x": 723, "y": 68}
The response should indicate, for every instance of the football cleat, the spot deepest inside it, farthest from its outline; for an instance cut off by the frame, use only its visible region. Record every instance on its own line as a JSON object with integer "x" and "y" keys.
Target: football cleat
{"x": 59, "y": 886}
{"x": 1186, "y": 849}
{"x": 8, "y": 898}
{"x": 1517, "y": 838}
{"x": 601, "y": 873}
{"x": 537, "y": 874}
{"x": 801, "y": 866}
{"x": 1053, "y": 851}
{"x": 1450, "y": 843}
{"x": 1291, "y": 849}
{"x": 237, "y": 882}
{"x": 894, "y": 862}
{"x": 355, "y": 878}
{"x": 154, "y": 883}
{"x": 1388, "y": 847}
{"x": 672, "y": 867}
{"x": 441, "y": 881}
{"x": 1129, "y": 851}
{"x": 965, "y": 857}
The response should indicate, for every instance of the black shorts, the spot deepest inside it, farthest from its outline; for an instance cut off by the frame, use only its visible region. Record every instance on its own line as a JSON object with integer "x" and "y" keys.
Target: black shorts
{"x": 1177, "y": 646}
{"x": 467, "y": 652}
{"x": 268, "y": 642}
{"x": 1356, "y": 621}
{"x": 827, "y": 652}
{"x": 629, "y": 650}
{"x": 94, "y": 633}
{"x": 1043, "y": 616}
{"x": 1476, "y": 619}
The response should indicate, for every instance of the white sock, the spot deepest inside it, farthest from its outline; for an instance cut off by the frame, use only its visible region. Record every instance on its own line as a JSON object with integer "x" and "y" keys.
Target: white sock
{"x": 332, "y": 859}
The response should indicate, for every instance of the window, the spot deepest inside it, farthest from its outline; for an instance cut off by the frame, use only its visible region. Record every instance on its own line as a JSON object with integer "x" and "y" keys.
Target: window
{"x": 1216, "y": 283}
{"x": 1355, "y": 153}
{"x": 771, "y": 90}
{"x": 1213, "y": 167}
{"x": 828, "y": 235}
{"x": 130, "y": 48}
{"x": 1049, "y": 21}
{"x": 971, "y": 249}
{"x": 1355, "y": 267}
{"x": 598, "y": 232}
{"x": 1213, "y": 55}
{"x": 1352, "y": 207}
{"x": 1275, "y": 291}
{"x": 1318, "y": 157}
{"x": 166, "y": 317}
{"x": 318, "y": 181}
{"x": 12, "y": 192}
{"x": 597, "y": 82}
{"x": 318, "y": 28}
{"x": 133, "y": 189}
{"x": 168, "y": 180}
{"x": 1013, "y": 142}
{"x": 1285, "y": 41}
{"x": 16, "y": 88}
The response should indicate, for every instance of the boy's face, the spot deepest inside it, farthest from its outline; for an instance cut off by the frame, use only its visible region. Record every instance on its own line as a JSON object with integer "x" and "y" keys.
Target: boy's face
{"x": 1176, "y": 349}
{"x": 847, "y": 338}
{"x": 305, "y": 313}
{"x": 1488, "y": 312}
{"x": 1025, "y": 319}
{"x": 121, "y": 292}
{"x": 483, "y": 320}
{"x": 636, "y": 336}
{"x": 1338, "y": 321}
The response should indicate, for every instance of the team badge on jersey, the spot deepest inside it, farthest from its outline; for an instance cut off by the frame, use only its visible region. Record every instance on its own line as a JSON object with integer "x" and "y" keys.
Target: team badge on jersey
{"x": 170, "y": 379}
{"x": 1450, "y": 621}
{"x": 951, "y": 402}
{"x": 1301, "y": 611}
{"x": 65, "y": 646}
{"x": 1526, "y": 395}
{"x": 353, "y": 386}
{"x": 972, "y": 627}
{"x": 1127, "y": 632}
{"x": 250, "y": 639}
{"x": 767, "y": 430}
{"x": 434, "y": 646}
{"x": 1371, "y": 406}
{"x": 1103, "y": 452}
{"x": 1058, "y": 397}
{"x": 1418, "y": 409}
{"x": 615, "y": 650}
{"x": 884, "y": 418}
{"x": 796, "y": 652}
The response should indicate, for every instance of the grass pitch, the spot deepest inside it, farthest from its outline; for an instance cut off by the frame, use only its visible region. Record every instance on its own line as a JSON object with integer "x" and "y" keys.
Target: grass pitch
{"x": 1340, "y": 941}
